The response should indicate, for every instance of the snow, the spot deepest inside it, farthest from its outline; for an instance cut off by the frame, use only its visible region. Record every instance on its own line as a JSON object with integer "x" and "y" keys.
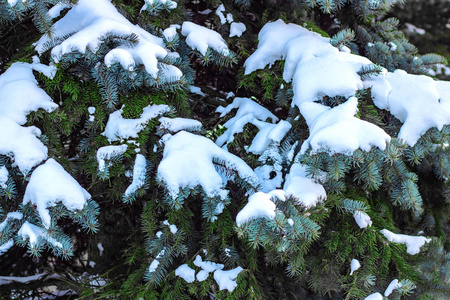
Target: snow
{"x": 100, "y": 248}
{"x": 200, "y": 38}
{"x": 34, "y": 233}
{"x": 237, "y": 29}
{"x": 119, "y": 128}
{"x": 229, "y": 18}
{"x": 413, "y": 243}
{"x": 268, "y": 134}
{"x": 207, "y": 266}
{"x": 227, "y": 279}
{"x": 153, "y": 266}
{"x": 416, "y": 100}
{"x": 108, "y": 153}
{"x": 411, "y": 28}
{"x": 392, "y": 286}
{"x": 188, "y": 162}
{"x": 12, "y": 215}
{"x": 170, "y": 33}
{"x": 173, "y": 228}
{"x": 3, "y": 176}
{"x": 90, "y": 22}
{"x": 196, "y": 90}
{"x": 375, "y": 296}
{"x": 91, "y": 110}
{"x": 139, "y": 174}
{"x": 362, "y": 219}
{"x": 248, "y": 112}
{"x": 219, "y": 12}
{"x": 50, "y": 184}
{"x": 56, "y": 10}
{"x": 177, "y": 124}
{"x": 264, "y": 173}
{"x": 337, "y": 130}
{"x": 259, "y": 205}
{"x": 393, "y": 46}
{"x": 6, "y": 246}
{"x": 185, "y": 272}
{"x": 299, "y": 185}
{"x": 354, "y": 265}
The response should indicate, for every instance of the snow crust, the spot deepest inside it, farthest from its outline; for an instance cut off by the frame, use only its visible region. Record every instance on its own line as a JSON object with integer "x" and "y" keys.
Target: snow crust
{"x": 200, "y": 38}
{"x": 118, "y": 128}
{"x": 413, "y": 243}
{"x": 107, "y": 153}
{"x": 392, "y": 286}
{"x": 354, "y": 265}
{"x": 174, "y": 125}
{"x": 185, "y": 272}
{"x": 139, "y": 174}
{"x": 90, "y": 21}
{"x": 50, "y": 184}
{"x": 338, "y": 130}
{"x": 187, "y": 153}
{"x": 299, "y": 185}
{"x": 259, "y": 205}
{"x": 362, "y": 219}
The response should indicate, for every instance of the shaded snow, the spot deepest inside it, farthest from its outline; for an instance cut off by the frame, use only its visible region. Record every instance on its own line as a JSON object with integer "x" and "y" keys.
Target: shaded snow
{"x": 139, "y": 174}
{"x": 35, "y": 233}
{"x": 185, "y": 272}
{"x": 227, "y": 279}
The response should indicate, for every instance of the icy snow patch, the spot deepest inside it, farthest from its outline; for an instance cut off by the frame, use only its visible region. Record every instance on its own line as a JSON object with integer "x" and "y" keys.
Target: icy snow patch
{"x": 413, "y": 243}
{"x": 362, "y": 219}
{"x": 299, "y": 185}
{"x": 185, "y": 272}
{"x": 354, "y": 265}
{"x": 337, "y": 130}
{"x": 188, "y": 161}
{"x": 139, "y": 172}
{"x": 200, "y": 38}
{"x": 119, "y": 128}
{"x": 50, "y": 184}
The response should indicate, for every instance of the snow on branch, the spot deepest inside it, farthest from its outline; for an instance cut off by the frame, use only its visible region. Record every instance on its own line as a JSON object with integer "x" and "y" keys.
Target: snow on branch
{"x": 201, "y": 38}
{"x": 413, "y": 243}
{"x": 189, "y": 160}
{"x": 50, "y": 184}
{"x": 89, "y": 22}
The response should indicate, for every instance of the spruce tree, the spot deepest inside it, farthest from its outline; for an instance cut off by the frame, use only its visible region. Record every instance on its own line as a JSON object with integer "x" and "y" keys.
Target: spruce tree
{"x": 241, "y": 149}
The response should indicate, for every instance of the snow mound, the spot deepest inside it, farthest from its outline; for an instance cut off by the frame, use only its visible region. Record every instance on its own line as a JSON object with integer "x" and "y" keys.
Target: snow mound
{"x": 299, "y": 185}
{"x": 227, "y": 279}
{"x": 50, "y": 184}
{"x": 89, "y": 22}
{"x": 413, "y": 243}
{"x": 118, "y": 128}
{"x": 185, "y": 272}
{"x": 200, "y": 38}
{"x": 177, "y": 124}
{"x": 189, "y": 161}
{"x": 107, "y": 153}
{"x": 259, "y": 205}
{"x": 362, "y": 219}
{"x": 139, "y": 172}
{"x": 337, "y": 130}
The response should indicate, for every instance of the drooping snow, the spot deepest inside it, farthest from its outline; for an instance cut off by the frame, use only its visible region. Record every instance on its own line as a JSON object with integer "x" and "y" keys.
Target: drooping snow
{"x": 91, "y": 21}
{"x": 34, "y": 233}
{"x": 20, "y": 93}
{"x": 119, "y": 128}
{"x": 237, "y": 29}
{"x": 338, "y": 130}
{"x": 375, "y": 296}
{"x": 185, "y": 272}
{"x": 416, "y": 100}
{"x": 200, "y": 38}
{"x": 173, "y": 125}
{"x": 227, "y": 279}
{"x": 299, "y": 185}
{"x": 21, "y": 144}
{"x": 362, "y": 219}
{"x": 248, "y": 112}
{"x": 188, "y": 162}
{"x": 392, "y": 286}
{"x": 139, "y": 174}
{"x": 3, "y": 176}
{"x": 107, "y": 153}
{"x": 50, "y": 184}
{"x": 259, "y": 205}
{"x": 413, "y": 243}
{"x": 354, "y": 265}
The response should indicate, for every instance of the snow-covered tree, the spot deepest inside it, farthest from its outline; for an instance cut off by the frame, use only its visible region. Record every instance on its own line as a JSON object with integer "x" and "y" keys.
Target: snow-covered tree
{"x": 162, "y": 149}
